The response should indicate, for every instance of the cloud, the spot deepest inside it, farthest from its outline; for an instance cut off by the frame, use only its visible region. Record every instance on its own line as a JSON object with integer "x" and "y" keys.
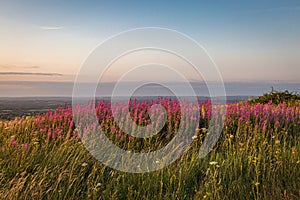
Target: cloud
{"x": 29, "y": 73}
{"x": 51, "y": 27}
{"x": 19, "y": 67}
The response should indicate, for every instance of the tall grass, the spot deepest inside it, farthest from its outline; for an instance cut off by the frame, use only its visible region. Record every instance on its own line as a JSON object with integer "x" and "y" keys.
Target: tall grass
{"x": 256, "y": 157}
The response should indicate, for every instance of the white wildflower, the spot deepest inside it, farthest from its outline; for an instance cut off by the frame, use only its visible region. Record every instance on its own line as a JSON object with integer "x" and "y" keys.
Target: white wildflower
{"x": 213, "y": 163}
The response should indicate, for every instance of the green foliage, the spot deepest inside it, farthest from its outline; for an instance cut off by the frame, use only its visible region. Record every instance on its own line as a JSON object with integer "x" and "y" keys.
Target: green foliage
{"x": 277, "y": 97}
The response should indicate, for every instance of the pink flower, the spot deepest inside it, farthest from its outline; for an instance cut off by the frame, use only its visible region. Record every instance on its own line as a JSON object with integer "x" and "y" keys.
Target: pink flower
{"x": 193, "y": 118}
{"x": 25, "y": 147}
{"x": 120, "y": 133}
{"x": 13, "y": 142}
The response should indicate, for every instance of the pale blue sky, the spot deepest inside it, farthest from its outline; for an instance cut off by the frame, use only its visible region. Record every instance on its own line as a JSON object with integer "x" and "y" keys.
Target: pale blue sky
{"x": 248, "y": 40}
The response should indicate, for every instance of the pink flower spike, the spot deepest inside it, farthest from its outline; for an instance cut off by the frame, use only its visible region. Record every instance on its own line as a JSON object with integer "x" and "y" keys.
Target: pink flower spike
{"x": 25, "y": 147}
{"x": 13, "y": 142}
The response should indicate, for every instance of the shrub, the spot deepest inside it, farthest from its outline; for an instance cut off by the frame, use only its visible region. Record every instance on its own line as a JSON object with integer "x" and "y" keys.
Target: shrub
{"x": 277, "y": 97}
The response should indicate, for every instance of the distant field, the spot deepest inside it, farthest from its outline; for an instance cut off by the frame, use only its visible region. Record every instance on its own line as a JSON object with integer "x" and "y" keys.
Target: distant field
{"x": 23, "y": 106}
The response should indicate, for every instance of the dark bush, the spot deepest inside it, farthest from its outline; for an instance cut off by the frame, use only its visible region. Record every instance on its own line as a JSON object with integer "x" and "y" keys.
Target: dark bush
{"x": 277, "y": 97}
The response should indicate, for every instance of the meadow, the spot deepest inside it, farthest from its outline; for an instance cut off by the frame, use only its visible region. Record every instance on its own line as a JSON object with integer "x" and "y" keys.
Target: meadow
{"x": 256, "y": 157}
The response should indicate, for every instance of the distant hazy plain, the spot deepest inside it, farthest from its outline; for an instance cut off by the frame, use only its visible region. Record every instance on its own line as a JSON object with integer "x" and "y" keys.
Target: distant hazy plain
{"x": 59, "y": 89}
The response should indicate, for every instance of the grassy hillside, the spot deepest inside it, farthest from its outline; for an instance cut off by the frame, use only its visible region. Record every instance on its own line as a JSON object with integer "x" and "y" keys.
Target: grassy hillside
{"x": 256, "y": 157}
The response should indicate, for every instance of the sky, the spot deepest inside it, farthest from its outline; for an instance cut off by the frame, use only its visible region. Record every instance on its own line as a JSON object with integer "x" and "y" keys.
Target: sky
{"x": 48, "y": 41}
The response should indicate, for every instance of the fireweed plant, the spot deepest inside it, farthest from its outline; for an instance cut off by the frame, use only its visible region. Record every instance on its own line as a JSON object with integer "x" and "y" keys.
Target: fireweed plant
{"x": 256, "y": 157}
